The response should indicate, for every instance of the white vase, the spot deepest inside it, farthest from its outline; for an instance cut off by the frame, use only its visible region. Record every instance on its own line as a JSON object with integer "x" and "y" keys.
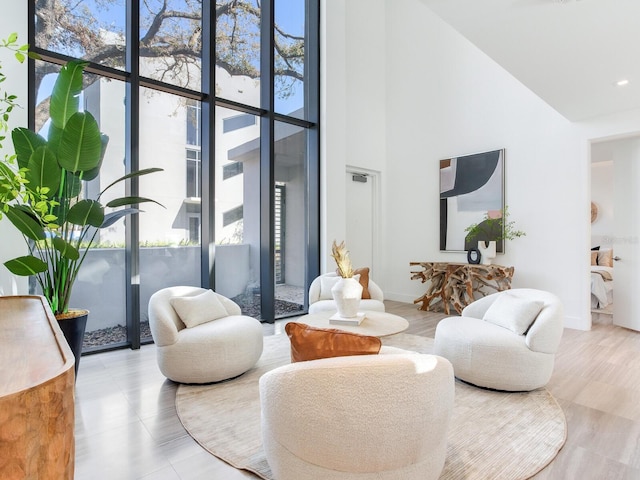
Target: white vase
{"x": 487, "y": 252}
{"x": 347, "y": 293}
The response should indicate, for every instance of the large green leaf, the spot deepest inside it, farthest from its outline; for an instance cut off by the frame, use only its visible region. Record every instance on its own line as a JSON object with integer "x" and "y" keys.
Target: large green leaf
{"x": 26, "y": 266}
{"x": 26, "y": 222}
{"x": 138, "y": 173}
{"x": 54, "y": 137}
{"x": 65, "y": 96}
{"x": 93, "y": 173}
{"x": 118, "y": 202}
{"x": 25, "y": 142}
{"x": 44, "y": 170}
{"x": 66, "y": 249}
{"x": 113, "y": 217}
{"x": 86, "y": 212}
{"x": 73, "y": 185}
{"x": 80, "y": 146}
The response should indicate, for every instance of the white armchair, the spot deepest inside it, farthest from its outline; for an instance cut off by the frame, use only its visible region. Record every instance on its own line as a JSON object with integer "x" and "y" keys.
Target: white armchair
{"x": 320, "y": 299}
{"x": 509, "y": 345}
{"x": 359, "y": 417}
{"x": 209, "y": 352}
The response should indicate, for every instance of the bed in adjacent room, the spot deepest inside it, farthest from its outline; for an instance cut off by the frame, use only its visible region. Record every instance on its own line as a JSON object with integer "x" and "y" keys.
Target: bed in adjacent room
{"x": 601, "y": 279}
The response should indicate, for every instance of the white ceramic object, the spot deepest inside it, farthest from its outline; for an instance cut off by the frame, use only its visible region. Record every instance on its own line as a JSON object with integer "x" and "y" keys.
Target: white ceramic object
{"x": 347, "y": 293}
{"x": 488, "y": 253}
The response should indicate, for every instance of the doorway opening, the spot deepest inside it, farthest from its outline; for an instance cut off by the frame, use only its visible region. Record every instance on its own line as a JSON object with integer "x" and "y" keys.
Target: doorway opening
{"x": 615, "y": 230}
{"x": 363, "y": 218}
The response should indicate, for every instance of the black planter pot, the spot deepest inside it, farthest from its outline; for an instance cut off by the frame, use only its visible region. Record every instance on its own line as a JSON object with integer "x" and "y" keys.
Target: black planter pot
{"x": 73, "y": 328}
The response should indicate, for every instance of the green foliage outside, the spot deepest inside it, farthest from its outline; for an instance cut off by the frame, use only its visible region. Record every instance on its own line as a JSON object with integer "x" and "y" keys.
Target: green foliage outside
{"x": 41, "y": 189}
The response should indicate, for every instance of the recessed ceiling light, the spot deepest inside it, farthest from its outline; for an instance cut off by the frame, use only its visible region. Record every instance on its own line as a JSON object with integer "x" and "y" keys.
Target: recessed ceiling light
{"x": 622, "y": 83}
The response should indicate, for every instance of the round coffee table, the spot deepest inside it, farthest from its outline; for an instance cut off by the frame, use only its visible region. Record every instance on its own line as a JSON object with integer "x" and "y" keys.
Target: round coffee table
{"x": 376, "y": 324}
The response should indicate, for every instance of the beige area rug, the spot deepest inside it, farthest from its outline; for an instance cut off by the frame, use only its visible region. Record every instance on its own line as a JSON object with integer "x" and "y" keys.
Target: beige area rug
{"x": 492, "y": 434}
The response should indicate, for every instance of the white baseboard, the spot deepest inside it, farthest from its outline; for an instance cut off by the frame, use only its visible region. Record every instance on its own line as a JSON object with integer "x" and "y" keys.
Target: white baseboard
{"x": 577, "y": 323}
{"x": 400, "y": 297}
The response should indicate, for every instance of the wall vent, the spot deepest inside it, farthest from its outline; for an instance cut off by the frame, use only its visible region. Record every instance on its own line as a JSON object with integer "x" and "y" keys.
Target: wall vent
{"x": 359, "y": 178}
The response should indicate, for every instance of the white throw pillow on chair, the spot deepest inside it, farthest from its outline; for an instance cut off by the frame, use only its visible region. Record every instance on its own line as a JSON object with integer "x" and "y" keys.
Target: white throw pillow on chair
{"x": 198, "y": 309}
{"x": 512, "y": 312}
{"x": 326, "y": 284}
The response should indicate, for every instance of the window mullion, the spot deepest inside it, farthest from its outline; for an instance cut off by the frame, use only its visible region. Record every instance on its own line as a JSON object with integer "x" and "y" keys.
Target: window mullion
{"x": 207, "y": 155}
{"x": 267, "y": 174}
{"x": 132, "y": 162}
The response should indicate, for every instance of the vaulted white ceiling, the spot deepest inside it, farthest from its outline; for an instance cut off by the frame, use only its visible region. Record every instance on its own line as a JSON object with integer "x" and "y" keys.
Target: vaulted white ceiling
{"x": 570, "y": 53}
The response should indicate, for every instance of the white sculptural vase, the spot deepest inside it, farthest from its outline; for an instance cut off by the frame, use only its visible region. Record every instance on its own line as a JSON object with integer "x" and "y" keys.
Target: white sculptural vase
{"x": 347, "y": 293}
{"x": 487, "y": 251}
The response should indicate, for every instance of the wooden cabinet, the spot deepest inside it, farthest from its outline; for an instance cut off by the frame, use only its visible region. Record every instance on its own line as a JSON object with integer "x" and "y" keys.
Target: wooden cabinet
{"x": 36, "y": 393}
{"x": 458, "y": 284}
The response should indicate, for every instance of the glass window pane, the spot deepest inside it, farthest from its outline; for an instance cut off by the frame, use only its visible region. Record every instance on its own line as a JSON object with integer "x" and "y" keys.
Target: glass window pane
{"x": 193, "y": 122}
{"x": 103, "y": 269}
{"x": 238, "y": 51}
{"x": 105, "y": 266}
{"x": 237, "y": 213}
{"x": 91, "y": 30}
{"x": 171, "y": 42}
{"x": 290, "y": 218}
{"x": 170, "y": 136}
{"x": 170, "y": 236}
{"x": 194, "y": 173}
{"x": 237, "y": 122}
{"x": 289, "y": 57}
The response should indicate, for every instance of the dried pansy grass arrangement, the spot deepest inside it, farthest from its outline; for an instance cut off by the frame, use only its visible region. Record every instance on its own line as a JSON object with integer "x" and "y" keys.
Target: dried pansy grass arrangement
{"x": 341, "y": 255}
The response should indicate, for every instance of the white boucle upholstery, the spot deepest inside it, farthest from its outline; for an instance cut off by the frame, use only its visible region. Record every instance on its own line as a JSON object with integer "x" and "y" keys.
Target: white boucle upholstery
{"x": 213, "y": 351}
{"x": 512, "y": 312}
{"x": 198, "y": 309}
{"x": 317, "y": 304}
{"x": 361, "y": 417}
{"x": 492, "y": 356}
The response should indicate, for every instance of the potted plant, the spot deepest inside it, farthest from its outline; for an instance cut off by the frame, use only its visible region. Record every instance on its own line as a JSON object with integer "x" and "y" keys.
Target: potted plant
{"x": 41, "y": 195}
{"x": 347, "y": 292}
{"x": 490, "y": 234}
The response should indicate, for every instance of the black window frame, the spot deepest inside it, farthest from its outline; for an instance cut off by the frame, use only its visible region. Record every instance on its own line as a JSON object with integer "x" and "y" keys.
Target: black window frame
{"x": 208, "y": 102}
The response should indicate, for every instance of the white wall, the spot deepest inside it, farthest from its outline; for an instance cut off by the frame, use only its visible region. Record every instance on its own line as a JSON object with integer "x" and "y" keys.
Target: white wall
{"x": 13, "y": 19}
{"x": 333, "y": 134}
{"x": 611, "y": 127}
{"x": 353, "y": 109}
{"x": 443, "y": 97}
{"x": 446, "y": 98}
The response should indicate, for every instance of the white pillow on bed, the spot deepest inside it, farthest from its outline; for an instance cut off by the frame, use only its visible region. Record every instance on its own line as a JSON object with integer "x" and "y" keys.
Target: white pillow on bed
{"x": 512, "y": 312}
{"x": 605, "y": 257}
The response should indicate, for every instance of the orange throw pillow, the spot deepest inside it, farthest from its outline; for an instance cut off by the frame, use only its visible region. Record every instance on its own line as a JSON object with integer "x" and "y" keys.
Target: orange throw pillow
{"x": 364, "y": 281}
{"x": 311, "y": 343}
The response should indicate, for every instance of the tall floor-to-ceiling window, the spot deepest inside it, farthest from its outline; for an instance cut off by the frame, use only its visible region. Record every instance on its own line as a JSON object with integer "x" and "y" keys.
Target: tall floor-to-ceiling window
{"x": 223, "y": 96}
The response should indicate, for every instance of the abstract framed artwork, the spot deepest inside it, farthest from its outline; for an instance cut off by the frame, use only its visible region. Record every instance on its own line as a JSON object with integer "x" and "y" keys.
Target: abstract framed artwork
{"x": 471, "y": 189}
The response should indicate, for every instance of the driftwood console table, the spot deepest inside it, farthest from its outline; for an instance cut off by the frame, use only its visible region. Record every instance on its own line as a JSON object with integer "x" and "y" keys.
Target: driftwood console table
{"x": 458, "y": 284}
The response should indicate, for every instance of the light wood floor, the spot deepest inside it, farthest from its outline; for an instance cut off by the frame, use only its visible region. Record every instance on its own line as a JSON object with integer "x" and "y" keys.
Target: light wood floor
{"x": 127, "y": 427}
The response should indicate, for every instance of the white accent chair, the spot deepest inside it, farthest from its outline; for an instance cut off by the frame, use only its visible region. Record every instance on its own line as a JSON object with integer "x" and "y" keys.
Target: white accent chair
{"x": 320, "y": 299}
{"x": 494, "y": 356}
{"x": 359, "y": 417}
{"x": 213, "y": 351}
